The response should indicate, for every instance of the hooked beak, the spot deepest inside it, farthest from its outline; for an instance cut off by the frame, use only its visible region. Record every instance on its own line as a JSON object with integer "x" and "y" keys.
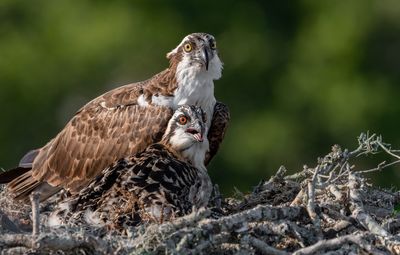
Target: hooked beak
{"x": 206, "y": 57}
{"x": 197, "y": 134}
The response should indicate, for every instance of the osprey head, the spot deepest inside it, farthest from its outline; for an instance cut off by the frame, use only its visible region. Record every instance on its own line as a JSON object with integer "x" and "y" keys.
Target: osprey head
{"x": 197, "y": 52}
{"x": 186, "y": 129}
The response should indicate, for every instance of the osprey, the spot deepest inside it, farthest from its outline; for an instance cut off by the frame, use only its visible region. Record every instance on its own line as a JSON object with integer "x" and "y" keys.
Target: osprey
{"x": 125, "y": 121}
{"x": 166, "y": 180}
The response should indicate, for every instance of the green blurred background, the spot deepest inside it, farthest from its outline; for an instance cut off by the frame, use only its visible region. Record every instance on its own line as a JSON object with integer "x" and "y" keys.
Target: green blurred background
{"x": 299, "y": 76}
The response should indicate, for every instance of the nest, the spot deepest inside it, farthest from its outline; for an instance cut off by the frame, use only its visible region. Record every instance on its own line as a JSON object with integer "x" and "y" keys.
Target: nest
{"x": 327, "y": 209}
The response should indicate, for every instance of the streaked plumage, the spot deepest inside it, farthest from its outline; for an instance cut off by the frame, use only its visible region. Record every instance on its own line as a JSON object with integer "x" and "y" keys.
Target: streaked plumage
{"x": 124, "y": 121}
{"x": 166, "y": 180}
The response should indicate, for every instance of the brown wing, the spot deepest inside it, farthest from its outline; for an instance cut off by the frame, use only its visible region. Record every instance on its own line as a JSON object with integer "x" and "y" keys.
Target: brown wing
{"x": 95, "y": 138}
{"x": 219, "y": 125}
{"x": 109, "y": 127}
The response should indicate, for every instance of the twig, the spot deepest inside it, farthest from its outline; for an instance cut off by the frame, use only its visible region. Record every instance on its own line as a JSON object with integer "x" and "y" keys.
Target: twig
{"x": 55, "y": 242}
{"x": 387, "y": 150}
{"x": 330, "y": 244}
{"x": 311, "y": 204}
{"x": 298, "y": 199}
{"x": 34, "y": 197}
{"x": 260, "y": 212}
{"x": 358, "y": 211}
{"x": 265, "y": 248}
{"x": 380, "y": 167}
{"x": 336, "y": 192}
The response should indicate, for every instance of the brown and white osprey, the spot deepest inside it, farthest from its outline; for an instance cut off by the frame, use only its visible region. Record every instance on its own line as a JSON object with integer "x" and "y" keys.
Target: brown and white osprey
{"x": 125, "y": 121}
{"x": 168, "y": 179}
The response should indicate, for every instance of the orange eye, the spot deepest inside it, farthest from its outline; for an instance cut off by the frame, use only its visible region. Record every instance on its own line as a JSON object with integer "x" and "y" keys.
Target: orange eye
{"x": 182, "y": 120}
{"x": 187, "y": 47}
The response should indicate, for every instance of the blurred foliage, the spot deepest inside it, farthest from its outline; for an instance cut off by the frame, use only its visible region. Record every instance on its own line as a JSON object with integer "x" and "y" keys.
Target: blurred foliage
{"x": 299, "y": 75}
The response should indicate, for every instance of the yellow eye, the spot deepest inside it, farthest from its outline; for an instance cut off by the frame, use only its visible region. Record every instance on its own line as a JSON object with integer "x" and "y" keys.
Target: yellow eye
{"x": 187, "y": 47}
{"x": 213, "y": 45}
{"x": 182, "y": 120}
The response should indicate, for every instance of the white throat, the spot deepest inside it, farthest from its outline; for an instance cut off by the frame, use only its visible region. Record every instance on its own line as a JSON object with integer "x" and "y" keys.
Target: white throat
{"x": 195, "y": 87}
{"x": 196, "y": 154}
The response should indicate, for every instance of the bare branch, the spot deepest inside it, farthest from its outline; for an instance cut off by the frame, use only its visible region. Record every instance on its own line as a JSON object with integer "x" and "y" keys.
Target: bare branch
{"x": 358, "y": 209}
{"x": 34, "y": 197}
{"x": 265, "y": 248}
{"x": 331, "y": 244}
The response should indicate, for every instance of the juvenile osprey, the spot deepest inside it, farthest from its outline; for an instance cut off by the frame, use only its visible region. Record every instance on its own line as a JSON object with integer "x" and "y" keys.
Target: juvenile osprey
{"x": 125, "y": 121}
{"x": 165, "y": 180}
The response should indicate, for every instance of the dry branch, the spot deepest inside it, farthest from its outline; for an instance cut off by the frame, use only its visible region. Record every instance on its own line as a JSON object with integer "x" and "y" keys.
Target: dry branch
{"x": 52, "y": 242}
{"x": 34, "y": 197}
{"x": 326, "y": 209}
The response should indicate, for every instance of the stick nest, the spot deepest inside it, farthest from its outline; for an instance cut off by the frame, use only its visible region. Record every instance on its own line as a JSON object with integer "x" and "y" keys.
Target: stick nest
{"x": 326, "y": 209}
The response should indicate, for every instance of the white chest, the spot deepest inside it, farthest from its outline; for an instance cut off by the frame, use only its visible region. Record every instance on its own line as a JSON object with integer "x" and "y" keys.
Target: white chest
{"x": 192, "y": 90}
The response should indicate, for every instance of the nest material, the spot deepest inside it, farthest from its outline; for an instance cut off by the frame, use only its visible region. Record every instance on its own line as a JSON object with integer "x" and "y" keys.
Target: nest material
{"x": 326, "y": 209}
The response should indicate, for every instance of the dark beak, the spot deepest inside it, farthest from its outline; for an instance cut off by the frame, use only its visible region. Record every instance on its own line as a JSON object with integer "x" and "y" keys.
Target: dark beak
{"x": 206, "y": 57}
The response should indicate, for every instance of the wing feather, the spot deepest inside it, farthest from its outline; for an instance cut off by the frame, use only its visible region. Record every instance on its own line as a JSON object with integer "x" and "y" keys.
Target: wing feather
{"x": 95, "y": 138}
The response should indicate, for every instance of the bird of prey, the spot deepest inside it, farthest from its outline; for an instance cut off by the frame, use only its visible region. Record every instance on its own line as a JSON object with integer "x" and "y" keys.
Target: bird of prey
{"x": 125, "y": 121}
{"x": 164, "y": 181}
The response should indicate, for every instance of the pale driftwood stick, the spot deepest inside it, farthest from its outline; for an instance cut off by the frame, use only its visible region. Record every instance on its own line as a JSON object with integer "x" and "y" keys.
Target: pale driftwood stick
{"x": 260, "y": 212}
{"x": 55, "y": 242}
{"x": 265, "y": 248}
{"x": 380, "y": 167}
{"x": 184, "y": 221}
{"x": 34, "y": 197}
{"x": 336, "y": 192}
{"x": 335, "y": 214}
{"x": 358, "y": 211}
{"x": 387, "y": 150}
{"x": 299, "y": 176}
{"x": 330, "y": 244}
{"x": 311, "y": 204}
{"x": 281, "y": 228}
{"x": 156, "y": 232}
{"x": 298, "y": 200}
{"x": 341, "y": 225}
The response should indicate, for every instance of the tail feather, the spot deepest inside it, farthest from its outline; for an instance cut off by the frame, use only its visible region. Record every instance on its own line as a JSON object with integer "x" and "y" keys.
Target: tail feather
{"x": 21, "y": 182}
{"x": 22, "y": 186}
{"x": 12, "y": 174}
